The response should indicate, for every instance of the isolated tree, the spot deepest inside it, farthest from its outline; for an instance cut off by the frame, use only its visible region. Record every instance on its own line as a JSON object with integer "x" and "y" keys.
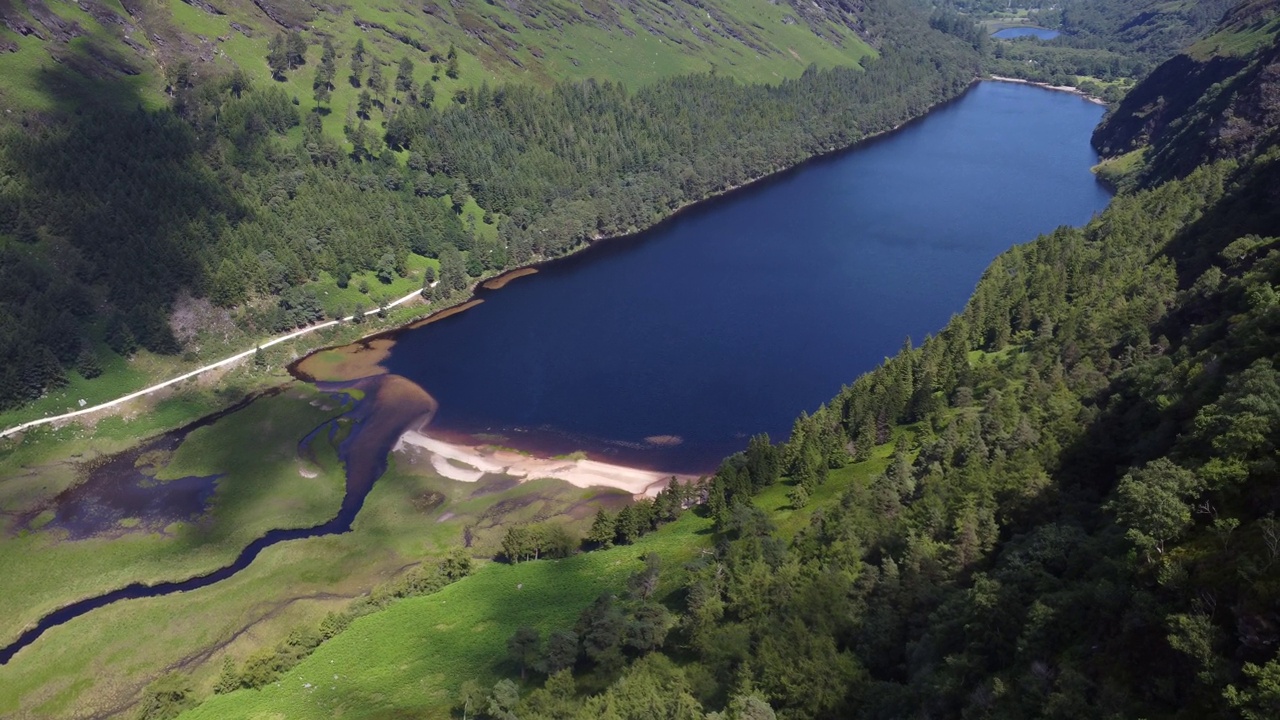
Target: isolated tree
{"x": 364, "y": 104}
{"x": 798, "y": 497}
{"x": 644, "y": 584}
{"x": 524, "y": 648}
{"x": 357, "y": 64}
{"x": 426, "y": 94}
{"x": 376, "y": 82}
{"x": 404, "y": 76}
{"x": 320, "y": 87}
{"x": 451, "y": 68}
{"x": 238, "y": 82}
{"x": 296, "y": 49}
{"x": 278, "y": 56}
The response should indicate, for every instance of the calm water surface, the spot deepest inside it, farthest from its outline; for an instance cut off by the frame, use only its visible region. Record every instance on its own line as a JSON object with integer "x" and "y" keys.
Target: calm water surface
{"x": 731, "y": 319}
{"x": 1017, "y": 32}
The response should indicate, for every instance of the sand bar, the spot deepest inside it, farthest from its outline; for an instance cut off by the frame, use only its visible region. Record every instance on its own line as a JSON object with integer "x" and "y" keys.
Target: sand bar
{"x": 468, "y": 463}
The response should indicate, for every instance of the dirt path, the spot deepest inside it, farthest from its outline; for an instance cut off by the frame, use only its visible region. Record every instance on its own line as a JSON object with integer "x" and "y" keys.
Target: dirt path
{"x": 188, "y": 375}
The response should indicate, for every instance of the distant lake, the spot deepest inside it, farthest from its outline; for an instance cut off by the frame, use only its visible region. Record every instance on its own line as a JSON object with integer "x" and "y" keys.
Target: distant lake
{"x": 733, "y": 317}
{"x": 1017, "y": 32}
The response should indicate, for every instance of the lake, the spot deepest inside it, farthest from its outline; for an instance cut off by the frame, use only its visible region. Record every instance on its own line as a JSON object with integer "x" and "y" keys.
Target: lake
{"x": 733, "y": 317}
{"x": 1038, "y": 33}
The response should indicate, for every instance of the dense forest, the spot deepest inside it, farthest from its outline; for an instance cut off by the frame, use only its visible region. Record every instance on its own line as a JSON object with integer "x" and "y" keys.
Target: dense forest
{"x": 1078, "y": 517}
{"x": 233, "y": 197}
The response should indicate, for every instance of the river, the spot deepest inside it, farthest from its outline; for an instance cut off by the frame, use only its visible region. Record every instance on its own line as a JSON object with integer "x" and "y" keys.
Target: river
{"x": 736, "y": 315}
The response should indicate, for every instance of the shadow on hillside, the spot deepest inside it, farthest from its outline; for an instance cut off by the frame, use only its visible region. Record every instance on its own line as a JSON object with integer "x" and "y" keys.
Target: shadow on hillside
{"x": 1132, "y": 429}
{"x": 116, "y": 199}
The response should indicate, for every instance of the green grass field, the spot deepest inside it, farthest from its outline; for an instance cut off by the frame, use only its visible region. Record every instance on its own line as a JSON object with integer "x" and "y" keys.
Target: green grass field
{"x": 101, "y": 662}
{"x": 258, "y": 491}
{"x": 409, "y": 660}
{"x": 752, "y": 40}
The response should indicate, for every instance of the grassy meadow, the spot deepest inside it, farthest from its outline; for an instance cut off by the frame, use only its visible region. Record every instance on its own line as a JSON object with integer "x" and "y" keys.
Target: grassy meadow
{"x": 410, "y": 659}
{"x": 101, "y": 662}
{"x": 263, "y": 485}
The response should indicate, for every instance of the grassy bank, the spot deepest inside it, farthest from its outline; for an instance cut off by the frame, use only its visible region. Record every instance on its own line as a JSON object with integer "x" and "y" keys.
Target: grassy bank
{"x": 410, "y": 659}
{"x": 100, "y": 663}
{"x": 257, "y": 491}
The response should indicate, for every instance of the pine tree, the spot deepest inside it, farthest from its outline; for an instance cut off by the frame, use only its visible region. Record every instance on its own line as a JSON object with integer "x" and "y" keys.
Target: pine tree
{"x": 87, "y": 364}
{"x": 278, "y": 56}
{"x": 297, "y": 49}
{"x": 404, "y": 76}
{"x": 376, "y": 82}
{"x": 602, "y": 529}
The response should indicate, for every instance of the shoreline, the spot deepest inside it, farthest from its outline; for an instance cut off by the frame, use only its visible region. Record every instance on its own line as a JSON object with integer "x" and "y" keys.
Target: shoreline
{"x": 297, "y": 372}
{"x": 500, "y": 279}
{"x": 469, "y": 463}
{"x": 1059, "y": 88}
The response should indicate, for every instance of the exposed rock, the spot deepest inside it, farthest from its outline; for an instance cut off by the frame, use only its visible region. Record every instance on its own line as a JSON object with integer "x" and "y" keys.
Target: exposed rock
{"x": 409, "y": 40}
{"x": 15, "y": 22}
{"x": 60, "y": 30}
{"x": 202, "y": 5}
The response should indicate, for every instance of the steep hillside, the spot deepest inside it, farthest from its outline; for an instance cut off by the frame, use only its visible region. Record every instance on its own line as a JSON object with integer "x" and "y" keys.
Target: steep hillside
{"x": 1218, "y": 100}
{"x": 155, "y": 44}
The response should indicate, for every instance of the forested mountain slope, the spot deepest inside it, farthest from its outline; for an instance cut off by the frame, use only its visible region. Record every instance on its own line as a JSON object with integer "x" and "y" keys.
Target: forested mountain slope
{"x": 1078, "y": 517}
{"x": 239, "y": 205}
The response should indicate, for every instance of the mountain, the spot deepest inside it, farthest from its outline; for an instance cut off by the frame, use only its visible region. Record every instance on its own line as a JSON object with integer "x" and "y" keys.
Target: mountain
{"x": 152, "y": 45}
{"x": 1220, "y": 99}
{"x": 1078, "y": 514}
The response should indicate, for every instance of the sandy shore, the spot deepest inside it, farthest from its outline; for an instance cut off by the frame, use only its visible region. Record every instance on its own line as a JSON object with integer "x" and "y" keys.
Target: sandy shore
{"x": 1047, "y": 86}
{"x": 468, "y": 463}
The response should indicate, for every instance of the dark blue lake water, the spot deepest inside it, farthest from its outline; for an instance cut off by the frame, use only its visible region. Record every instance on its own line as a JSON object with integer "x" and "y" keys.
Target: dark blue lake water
{"x": 733, "y": 317}
{"x": 1017, "y": 32}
